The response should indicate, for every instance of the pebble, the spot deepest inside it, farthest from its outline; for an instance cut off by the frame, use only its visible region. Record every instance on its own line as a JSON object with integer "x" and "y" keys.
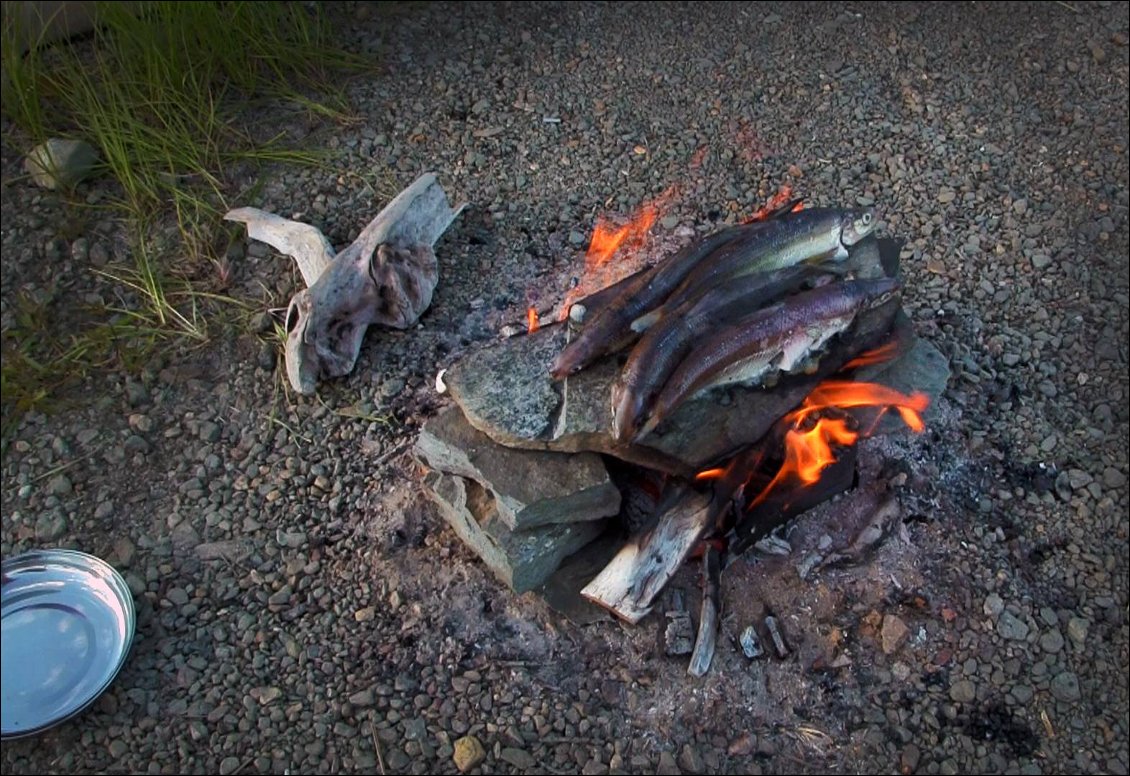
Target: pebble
{"x": 963, "y": 691}
{"x": 50, "y": 526}
{"x": 1113, "y": 478}
{"x": 468, "y": 753}
{"x": 1051, "y": 641}
{"x": 667, "y": 765}
{"x": 1009, "y": 626}
{"x": 1077, "y": 628}
{"x": 519, "y": 758}
{"x": 994, "y": 605}
{"x": 59, "y": 485}
{"x": 893, "y": 633}
{"x": 1065, "y": 687}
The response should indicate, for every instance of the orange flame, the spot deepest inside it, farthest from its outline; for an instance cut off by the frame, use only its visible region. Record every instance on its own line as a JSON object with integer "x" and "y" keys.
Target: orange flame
{"x": 532, "y": 322}
{"x": 848, "y": 394}
{"x": 884, "y": 352}
{"x": 607, "y": 240}
{"x": 809, "y": 452}
{"x": 709, "y": 474}
{"x": 783, "y": 195}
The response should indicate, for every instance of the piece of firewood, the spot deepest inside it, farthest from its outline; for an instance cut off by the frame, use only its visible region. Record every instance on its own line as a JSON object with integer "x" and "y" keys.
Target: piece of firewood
{"x": 708, "y": 618}
{"x": 629, "y": 585}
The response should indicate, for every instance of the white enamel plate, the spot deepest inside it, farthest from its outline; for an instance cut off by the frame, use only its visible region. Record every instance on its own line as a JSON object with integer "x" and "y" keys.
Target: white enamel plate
{"x": 67, "y": 625}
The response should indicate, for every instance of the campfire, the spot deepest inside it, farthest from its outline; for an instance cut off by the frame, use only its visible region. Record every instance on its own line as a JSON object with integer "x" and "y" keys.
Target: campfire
{"x": 733, "y": 377}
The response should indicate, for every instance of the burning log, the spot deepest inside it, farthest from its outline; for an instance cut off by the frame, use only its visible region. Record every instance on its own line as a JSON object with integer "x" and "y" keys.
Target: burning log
{"x": 385, "y": 277}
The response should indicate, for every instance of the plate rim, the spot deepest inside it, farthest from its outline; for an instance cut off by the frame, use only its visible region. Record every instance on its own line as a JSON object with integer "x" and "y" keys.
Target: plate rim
{"x": 88, "y": 563}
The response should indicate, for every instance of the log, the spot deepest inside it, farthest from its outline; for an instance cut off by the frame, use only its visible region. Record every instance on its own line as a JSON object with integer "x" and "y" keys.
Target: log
{"x": 628, "y": 585}
{"x": 385, "y": 277}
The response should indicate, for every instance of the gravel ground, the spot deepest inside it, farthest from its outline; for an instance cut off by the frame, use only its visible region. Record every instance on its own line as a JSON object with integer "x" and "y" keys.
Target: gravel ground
{"x": 300, "y": 607}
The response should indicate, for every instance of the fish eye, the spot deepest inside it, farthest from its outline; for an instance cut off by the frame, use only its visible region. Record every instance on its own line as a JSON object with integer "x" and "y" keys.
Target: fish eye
{"x": 866, "y": 218}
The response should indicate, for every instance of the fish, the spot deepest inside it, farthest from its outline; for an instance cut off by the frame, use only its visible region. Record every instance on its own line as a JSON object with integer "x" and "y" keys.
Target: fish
{"x": 783, "y": 337}
{"x": 814, "y": 236}
{"x": 610, "y": 330}
{"x": 663, "y": 346}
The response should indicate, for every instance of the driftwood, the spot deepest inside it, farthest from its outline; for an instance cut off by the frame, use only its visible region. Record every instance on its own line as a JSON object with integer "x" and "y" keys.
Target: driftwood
{"x": 385, "y": 277}
{"x": 629, "y": 584}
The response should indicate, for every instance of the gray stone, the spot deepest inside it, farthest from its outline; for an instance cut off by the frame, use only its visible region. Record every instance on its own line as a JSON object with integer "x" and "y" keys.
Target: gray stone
{"x": 1052, "y": 641}
{"x": 1113, "y": 478}
{"x": 1065, "y": 687}
{"x": 667, "y": 765}
{"x": 60, "y": 163}
{"x": 521, "y": 559}
{"x": 50, "y": 526}
{"x": 362, "y": 698}
{"x": 228, "y": 765}
{"x": 690, "y": 761}
{"x": 1077, "y": 630}
{"x": 1009, "y": 626}
{"x": 59, "y": 485}
{"x": 506, "y": 392}
{"x": 963, "y": 691}
{"x": 1078, "y": 479}
{"x": 530, "y": 487}
{"x": 994, "y": 605}
{"x": 519, "y": 758}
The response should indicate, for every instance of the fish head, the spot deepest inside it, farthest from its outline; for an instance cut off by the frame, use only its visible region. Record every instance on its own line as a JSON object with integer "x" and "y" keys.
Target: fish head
{"x": 856, "y": 224}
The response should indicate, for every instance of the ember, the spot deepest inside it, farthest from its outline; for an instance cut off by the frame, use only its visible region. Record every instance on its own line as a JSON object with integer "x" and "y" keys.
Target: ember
{"x": 532, "y": 321}
{"x": 813, "y": 435}
{"x": 783, "y": 197}
{"x": 609, "y": 240}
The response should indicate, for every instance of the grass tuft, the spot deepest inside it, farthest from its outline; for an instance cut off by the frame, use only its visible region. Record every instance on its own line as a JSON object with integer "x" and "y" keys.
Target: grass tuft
{"x": 171, "y": 95}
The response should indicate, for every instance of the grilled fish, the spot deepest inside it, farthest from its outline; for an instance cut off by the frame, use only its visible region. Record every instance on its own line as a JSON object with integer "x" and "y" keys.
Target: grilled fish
{"x": 610, "y": 329}
{"x": 664, "y": 345}
{"x": 815, "y": 236}
{"x": 779, "y": 338}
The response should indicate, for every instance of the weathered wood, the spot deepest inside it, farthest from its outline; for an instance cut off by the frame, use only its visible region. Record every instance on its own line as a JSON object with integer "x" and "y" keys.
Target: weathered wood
{"x": 629, "y": 584}
{"x": 385, "y": 277}
{"x": 304, "y": 243}
{"x": 708, "y": 618}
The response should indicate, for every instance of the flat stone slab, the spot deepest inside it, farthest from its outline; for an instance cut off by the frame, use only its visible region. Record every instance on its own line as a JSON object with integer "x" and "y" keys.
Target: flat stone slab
{"x": 506, "y": 392}
{"x": 530, "y": 487}
{"x": 523, "y": 560}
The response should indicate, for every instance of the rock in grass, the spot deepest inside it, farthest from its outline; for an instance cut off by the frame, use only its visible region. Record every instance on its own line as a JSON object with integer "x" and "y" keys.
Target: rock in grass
{"x": 60, "y": 163}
